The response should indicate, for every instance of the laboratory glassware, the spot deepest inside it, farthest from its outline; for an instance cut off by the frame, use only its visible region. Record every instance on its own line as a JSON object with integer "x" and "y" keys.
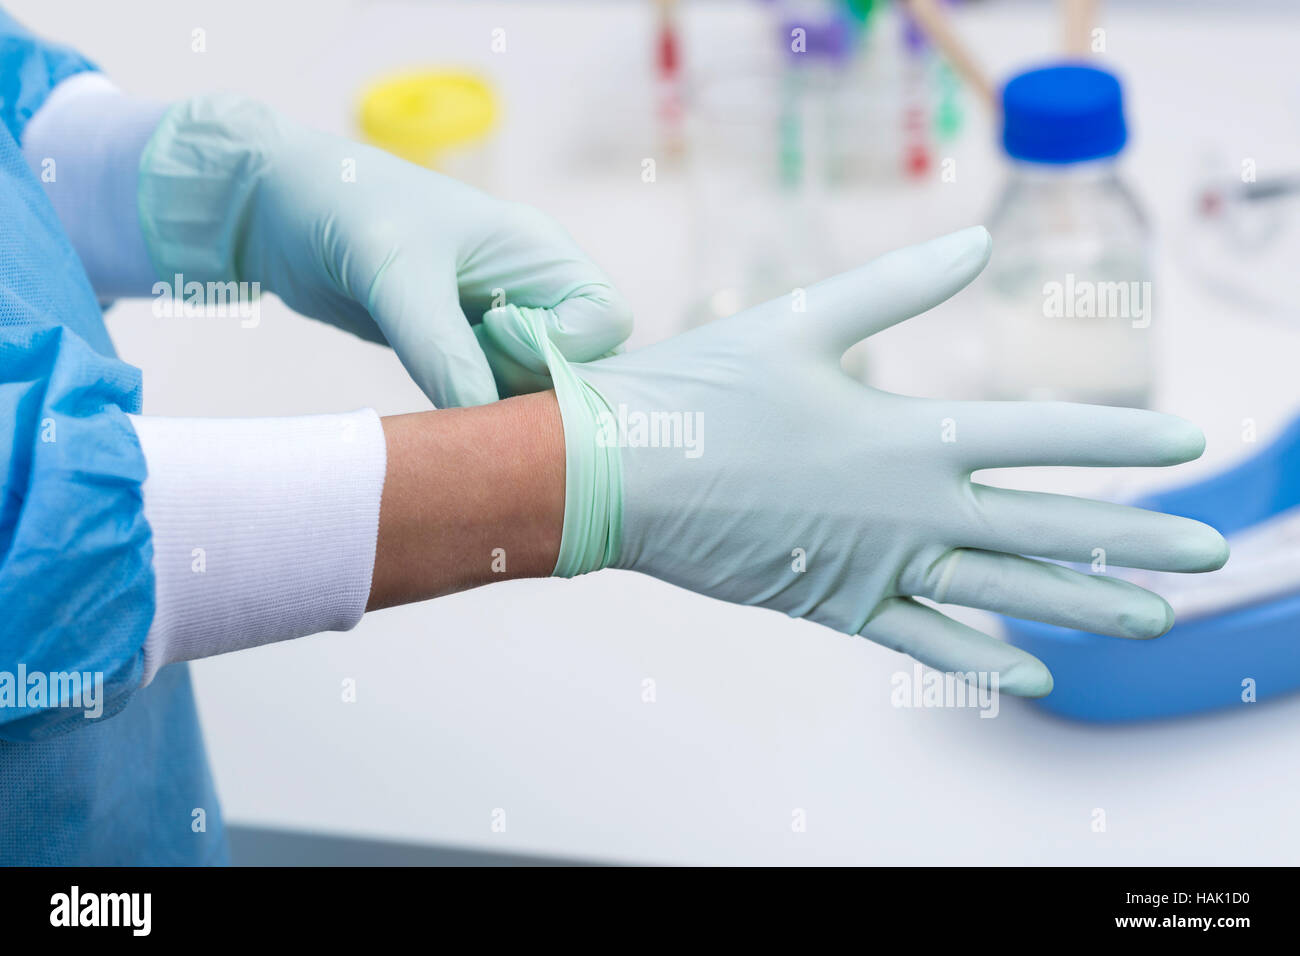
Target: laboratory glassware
{"x": 1068, "y": 289}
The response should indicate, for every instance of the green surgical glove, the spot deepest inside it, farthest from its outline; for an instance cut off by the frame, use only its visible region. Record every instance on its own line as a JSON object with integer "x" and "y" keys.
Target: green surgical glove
{"x": 808, "y": 493}
{"x": 231, "y": 191}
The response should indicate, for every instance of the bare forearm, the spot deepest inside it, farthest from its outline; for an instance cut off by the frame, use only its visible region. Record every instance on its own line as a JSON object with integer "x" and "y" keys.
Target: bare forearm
{"x": 471, "y": 495}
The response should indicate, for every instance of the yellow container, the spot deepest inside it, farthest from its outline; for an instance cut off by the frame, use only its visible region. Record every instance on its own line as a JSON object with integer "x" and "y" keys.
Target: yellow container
{"x": 442, "y": 119}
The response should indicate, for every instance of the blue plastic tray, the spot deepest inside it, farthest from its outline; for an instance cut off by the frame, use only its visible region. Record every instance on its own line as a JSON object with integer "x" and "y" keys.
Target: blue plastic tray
{"x": 1201, "y": 664}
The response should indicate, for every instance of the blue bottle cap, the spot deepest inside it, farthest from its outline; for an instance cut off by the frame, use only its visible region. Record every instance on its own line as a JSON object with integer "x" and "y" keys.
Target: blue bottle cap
{"x": 1063, "y": 114}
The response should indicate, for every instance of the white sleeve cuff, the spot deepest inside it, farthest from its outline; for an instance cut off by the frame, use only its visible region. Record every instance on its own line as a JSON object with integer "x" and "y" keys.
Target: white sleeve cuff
{"x": 264, "y": 529}
{"x": 84, "y": 145}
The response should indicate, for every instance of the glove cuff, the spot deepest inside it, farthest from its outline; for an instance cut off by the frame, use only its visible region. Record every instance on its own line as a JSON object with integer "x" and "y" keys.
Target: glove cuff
{"x": 593, "y": 474}
{"x": 198, "y": 174}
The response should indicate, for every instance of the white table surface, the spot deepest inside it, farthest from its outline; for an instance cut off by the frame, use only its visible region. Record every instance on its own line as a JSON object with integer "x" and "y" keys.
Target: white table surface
{"x": 527, "y": 696}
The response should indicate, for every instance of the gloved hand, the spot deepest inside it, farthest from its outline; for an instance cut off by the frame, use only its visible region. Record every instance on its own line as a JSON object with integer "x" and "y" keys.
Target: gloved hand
{"x": 811, "y": 494}
{"x": 232, "y": 191}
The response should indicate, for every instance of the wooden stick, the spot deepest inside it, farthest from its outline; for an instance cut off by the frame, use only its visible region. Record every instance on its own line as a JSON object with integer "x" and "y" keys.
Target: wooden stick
{"x": 929, "y": 16}
{"x": 1080, "y": 17}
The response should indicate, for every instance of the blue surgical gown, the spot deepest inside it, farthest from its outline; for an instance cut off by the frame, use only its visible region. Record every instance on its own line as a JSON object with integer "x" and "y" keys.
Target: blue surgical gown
{"x": 76, "y": 585}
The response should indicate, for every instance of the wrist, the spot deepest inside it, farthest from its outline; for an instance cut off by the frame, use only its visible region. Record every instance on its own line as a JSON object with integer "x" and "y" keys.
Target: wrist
{"x": 472, "y": 495}
{"x": 593, "y": 492}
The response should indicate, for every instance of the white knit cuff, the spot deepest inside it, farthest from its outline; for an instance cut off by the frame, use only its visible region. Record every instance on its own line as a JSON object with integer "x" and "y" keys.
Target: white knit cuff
{"x": 264, "y": 529}
{"x": 84, "y": 145}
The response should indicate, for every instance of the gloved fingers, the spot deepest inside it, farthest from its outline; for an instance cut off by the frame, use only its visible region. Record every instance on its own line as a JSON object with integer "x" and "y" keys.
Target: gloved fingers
{"x": 1035, "y": 590}
{"x": 516, "y": 253}
{"x": 516, "y": 366}
{"x": 1014, "y": 434}
{"x": 849, "y": 307}
{"x": 528, "y": 259}
{"x": 938, "y": 641}
{"x": 434, "y": 341}
{"x": 586, "y": 324}
{"x": 1082, "y": 530}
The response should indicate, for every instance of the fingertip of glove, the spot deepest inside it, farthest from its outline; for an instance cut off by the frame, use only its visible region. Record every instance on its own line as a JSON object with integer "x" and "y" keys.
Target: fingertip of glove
{"x": 473, "y": 384}
{"x": 1188, "y": 441}
{"x": 974, "y": 242}
{"x": 1148, "y": 623}
{"x": 461, "y": 398}
{"x": 1200, "y": 549}
{"x": 964, "y": 252}
{"x": 590, "y": 325}
{"x": 1216, "y": 550}
{"x": 1172, "y": 440}
{"x": 619, "y": 320}
{"x": 1028, "y": 679}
